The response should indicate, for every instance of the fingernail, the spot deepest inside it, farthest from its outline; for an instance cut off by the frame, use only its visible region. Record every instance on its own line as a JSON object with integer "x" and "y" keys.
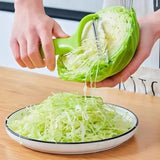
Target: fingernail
{"x": 50, "y": 67}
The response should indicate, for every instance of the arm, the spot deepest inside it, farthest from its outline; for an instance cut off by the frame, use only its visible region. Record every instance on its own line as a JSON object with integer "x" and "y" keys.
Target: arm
{"x": 149, "y": 33}
{"x": 31, "y": 28}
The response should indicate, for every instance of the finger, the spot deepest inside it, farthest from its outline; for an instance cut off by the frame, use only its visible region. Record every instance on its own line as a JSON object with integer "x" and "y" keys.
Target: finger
{"x": 121, "y": 76}
{"x": 48, "y": 48}
{"x": 33, "y": 50}
{"x": 108, "y": 82}
{"x": 58, "y": 32}
{"x": 141, "y": 54}
{"x": 16, "y": 52}
{"x": 24, "y": 56}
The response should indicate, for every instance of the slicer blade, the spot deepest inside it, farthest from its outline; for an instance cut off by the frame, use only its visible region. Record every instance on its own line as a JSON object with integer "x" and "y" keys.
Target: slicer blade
{"x": 96, "y": 36}
{"x": 97, "y": 40}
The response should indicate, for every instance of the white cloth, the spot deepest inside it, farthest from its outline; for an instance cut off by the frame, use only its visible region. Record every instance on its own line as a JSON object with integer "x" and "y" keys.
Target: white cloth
{"x": 142, "y": 7}
{"x": 145, "y": 81}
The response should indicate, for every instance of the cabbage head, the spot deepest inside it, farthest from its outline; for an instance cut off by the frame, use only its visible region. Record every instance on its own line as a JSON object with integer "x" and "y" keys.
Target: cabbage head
{"x": 118, "y": 33}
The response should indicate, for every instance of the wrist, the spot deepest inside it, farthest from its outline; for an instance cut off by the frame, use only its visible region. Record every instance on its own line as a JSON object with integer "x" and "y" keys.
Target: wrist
{"x": 155, "y": 20}
{"x": 29, "y": 5}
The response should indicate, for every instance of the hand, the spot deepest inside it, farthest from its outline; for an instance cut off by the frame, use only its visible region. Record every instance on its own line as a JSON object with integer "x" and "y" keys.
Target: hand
{"x": 149, "y": 33}
{"x": 31, "y": 28}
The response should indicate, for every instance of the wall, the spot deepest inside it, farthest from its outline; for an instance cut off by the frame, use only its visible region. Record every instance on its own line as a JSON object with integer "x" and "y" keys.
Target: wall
{"x": 81, "y": 5}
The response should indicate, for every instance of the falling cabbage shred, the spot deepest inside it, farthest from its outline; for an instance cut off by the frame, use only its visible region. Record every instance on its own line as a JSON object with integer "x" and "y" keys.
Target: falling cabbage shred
{"x": 70, "y": 117}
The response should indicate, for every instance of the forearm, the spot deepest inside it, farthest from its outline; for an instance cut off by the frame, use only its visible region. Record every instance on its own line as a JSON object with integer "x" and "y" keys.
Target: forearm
{"x": 33, "y": 6}
{"x": 155, "y": 21}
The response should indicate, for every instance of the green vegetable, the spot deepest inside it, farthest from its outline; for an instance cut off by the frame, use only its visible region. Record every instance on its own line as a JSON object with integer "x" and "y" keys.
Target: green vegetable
{"x": 69, "y": 117}
{"x": 118, "y": 32}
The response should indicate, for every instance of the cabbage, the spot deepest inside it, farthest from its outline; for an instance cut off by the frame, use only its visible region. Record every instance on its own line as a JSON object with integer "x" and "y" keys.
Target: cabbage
{"x": 118, "y": 32}
{"x": 70, "y": 117}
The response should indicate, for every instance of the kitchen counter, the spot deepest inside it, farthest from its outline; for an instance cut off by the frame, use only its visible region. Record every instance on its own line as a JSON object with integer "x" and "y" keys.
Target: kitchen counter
{"x": 19, "y": 89}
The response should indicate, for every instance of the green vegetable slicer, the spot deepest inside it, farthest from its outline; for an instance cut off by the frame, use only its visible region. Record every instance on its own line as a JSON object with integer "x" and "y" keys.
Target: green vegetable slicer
{"x": 65, "y": 45}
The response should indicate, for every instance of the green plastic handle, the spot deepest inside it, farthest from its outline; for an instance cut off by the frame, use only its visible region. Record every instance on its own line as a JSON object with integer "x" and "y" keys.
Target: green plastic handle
{"x": 65, "y": 45}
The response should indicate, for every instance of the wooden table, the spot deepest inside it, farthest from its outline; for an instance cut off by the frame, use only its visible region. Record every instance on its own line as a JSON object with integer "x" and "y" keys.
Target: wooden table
{"x": 19, "y": 89}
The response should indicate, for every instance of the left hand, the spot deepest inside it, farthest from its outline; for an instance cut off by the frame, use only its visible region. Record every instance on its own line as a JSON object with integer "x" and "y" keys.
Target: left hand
{"x": 148, "y": 36}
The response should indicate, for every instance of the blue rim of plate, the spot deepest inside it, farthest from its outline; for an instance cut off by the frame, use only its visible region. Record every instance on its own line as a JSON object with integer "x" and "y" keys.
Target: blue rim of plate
{"x": 66, "y": 143}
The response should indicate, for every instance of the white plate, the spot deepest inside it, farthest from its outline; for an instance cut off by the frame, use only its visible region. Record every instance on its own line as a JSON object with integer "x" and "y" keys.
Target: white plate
{"x": 73, "y": 148}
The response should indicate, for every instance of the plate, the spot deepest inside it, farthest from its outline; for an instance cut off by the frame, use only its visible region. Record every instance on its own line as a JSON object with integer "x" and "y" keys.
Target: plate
{"x": 73, "y": 148}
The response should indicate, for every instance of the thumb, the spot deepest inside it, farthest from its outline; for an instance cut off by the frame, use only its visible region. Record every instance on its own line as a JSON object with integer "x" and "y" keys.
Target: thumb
{"x": 58, "y": 32}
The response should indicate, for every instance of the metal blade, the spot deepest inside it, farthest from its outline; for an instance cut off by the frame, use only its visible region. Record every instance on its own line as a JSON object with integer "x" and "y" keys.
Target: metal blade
{"x": 99, "y": 50}
{"x": 96, "y": 36}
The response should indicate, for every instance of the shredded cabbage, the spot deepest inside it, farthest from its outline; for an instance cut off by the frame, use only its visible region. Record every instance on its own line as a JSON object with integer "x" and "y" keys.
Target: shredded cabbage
{"x": 70, "y": 117}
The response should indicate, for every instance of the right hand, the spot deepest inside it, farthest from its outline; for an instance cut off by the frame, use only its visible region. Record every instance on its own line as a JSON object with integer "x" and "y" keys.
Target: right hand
{"x": 32, "y": 28}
